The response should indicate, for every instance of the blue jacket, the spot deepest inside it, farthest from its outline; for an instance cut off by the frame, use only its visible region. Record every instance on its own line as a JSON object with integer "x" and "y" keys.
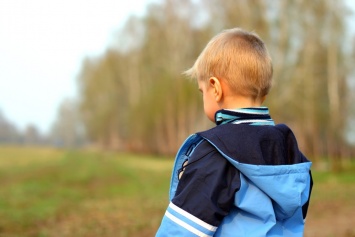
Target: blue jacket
{"x": 239, "y": 180}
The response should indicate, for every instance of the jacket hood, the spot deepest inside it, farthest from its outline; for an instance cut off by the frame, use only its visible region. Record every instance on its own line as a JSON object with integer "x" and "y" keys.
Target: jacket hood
{"x": 268, "y": 157}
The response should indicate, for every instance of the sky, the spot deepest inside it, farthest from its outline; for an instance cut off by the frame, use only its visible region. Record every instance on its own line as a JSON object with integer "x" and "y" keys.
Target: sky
{"x": 42, "y": 46}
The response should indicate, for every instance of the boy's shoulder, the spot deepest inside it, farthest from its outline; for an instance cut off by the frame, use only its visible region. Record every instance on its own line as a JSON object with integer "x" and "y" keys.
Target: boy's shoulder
{"x": 228, "y": 136}
{"x": 246, "y": 131}
{"x": 253, "y": 144}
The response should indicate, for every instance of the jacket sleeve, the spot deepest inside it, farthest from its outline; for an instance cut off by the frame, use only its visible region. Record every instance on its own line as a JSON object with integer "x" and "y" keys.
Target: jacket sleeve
{"x": 204, "y": 196}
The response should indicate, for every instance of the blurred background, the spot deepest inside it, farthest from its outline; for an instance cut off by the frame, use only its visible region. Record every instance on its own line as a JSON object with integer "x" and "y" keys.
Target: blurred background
{"x": 95, "y": 89}
{"x": 109, "y": 74}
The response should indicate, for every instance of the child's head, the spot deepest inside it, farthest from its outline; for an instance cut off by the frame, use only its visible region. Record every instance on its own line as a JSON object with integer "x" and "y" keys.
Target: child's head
{"x": 239, "y": 59}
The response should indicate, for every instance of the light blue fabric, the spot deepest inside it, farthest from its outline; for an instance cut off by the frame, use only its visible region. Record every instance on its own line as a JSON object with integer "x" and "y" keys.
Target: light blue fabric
{"x": 169, "y": 228}
{"x": 176, "y": 218}
{"x": 259, "y": 196}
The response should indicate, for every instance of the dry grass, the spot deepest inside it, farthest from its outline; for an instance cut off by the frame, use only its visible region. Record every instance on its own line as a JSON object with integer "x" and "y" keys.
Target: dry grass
{"x": 332, "y": 207}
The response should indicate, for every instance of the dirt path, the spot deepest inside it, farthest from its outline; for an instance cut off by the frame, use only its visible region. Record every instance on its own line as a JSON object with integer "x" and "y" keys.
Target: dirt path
{"x": 331, "y": 219}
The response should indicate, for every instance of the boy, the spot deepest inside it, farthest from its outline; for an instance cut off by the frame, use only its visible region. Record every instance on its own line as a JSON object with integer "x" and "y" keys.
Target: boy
{"x": 246, "y": 176}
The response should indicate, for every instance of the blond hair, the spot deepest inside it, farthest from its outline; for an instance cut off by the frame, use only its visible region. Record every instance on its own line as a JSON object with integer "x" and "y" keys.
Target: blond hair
{"x": 238, "y": 57}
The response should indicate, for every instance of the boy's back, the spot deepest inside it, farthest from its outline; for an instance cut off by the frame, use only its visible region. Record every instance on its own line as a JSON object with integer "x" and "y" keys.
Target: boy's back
{"x": 275, "y": 184}
{"x": 241, "y": 180}
{"x": 246, "y": 176}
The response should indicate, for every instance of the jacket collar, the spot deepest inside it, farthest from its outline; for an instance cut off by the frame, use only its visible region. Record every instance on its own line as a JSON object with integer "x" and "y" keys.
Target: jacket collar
{"x": 253, "y": 116}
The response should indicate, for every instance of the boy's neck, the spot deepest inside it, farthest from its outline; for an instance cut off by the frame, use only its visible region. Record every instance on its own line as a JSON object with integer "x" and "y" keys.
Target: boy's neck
{"x": 237, "y": 102}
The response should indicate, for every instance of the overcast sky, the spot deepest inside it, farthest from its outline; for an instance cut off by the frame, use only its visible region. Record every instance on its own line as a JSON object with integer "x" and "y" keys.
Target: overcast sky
{"x": 42, "y": 45}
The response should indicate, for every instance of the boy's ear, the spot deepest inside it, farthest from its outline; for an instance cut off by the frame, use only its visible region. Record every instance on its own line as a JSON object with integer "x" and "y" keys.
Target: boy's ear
{"x": 215, "y": 84}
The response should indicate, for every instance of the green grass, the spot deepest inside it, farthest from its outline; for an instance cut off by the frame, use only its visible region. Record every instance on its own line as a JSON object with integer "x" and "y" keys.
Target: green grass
{"x": 50, "y": 192}
{"x": 45, "y": 191}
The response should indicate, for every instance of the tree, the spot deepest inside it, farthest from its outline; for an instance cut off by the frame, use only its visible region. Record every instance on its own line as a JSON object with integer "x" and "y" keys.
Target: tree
{"x": 67, "y": 130}
{"x": 8, "y": 131}
{"x": 32, "y": 135}
{"x": 135, "y": 98}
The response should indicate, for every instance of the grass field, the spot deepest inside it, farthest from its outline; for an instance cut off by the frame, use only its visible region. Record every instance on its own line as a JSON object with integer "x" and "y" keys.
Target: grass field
{"x": 49, "y": 192}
